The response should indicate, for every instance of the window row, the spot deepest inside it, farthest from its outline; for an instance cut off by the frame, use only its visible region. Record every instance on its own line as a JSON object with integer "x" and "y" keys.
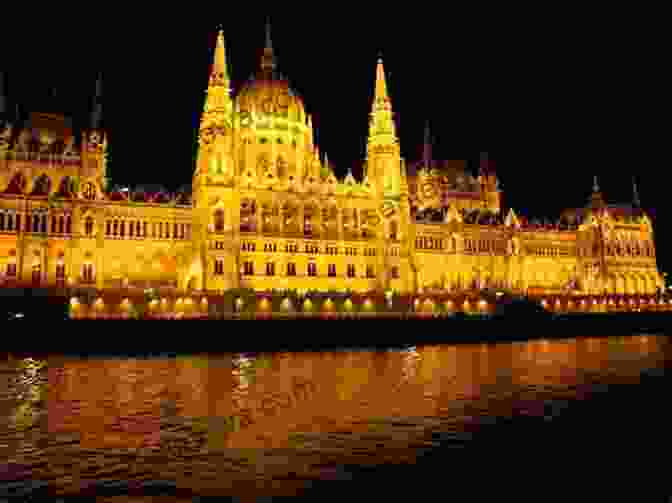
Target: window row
{"x": 143, "y": 229}
{"x": 484, "y": 246}
{"x": 87, "y": 273}
{"x": 551, "y": 252}
{"x": 429, "y": 243}
{"x": 36, "y": 223}
{"x": 311, "y": 270}
{"x": 312, "y": 249}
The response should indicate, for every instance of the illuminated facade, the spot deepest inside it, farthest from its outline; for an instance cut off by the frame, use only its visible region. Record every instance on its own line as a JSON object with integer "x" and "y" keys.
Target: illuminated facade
{"x": 267, "y": 212}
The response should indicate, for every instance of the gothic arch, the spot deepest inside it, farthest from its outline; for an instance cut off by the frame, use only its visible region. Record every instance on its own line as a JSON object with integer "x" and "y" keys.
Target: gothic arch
{"x": 17, "y": 185}
{"x": 218, "y": 219}
{"x": 282, "y": 170}
{"x": 66, "y": 187}
{"x": 41, "y": 186}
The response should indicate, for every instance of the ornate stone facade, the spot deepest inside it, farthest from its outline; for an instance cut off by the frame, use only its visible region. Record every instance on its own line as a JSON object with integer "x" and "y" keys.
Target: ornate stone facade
{"x": 266, "y": 211}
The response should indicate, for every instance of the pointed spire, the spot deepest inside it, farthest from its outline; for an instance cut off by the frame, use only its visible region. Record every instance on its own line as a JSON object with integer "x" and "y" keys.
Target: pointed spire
{"x": 269, "y": 44}
{"x": 381, "y": 100}
{"x": 97, "y": 114}
{"x": 268, "y": 59}
{"x": 219, "y": 94}
{"x": 635, "y": 193}
{"x": 427, "y": 151}
{"x": 596, "y": 200}
{"x": 219, "y": 75}
{"x": 381, "y": 125}
{"x": 3, "y": 98}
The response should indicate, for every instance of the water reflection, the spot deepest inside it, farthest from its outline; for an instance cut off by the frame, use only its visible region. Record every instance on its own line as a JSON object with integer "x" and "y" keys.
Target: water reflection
{"x": 209, "y": 421}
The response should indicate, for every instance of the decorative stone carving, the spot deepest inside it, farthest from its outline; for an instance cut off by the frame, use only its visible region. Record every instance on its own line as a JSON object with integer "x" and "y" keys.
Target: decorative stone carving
{"x": 23, "y": 142}
{"x": 46, "y": 141}
{"x": 5, "y": 137}
{"x": 96, "y": 142}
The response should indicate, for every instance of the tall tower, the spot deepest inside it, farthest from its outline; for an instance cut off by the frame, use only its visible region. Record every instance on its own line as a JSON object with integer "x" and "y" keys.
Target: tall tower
{"x": 383, "y": 154}
{"x": 94, "y": 144}
{"x": 386, "y": 172}
{"x": 216, "y": 201}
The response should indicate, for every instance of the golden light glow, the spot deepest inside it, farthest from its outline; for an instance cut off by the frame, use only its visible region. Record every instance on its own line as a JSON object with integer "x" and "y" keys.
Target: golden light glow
{"x": 258, "y": 162}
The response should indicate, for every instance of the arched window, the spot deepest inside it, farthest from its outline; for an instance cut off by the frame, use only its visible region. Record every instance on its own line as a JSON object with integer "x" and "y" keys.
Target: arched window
{"x": 36, "y": 223}
{"x": 42, "y": 186}
{"x": 89, "y": 191}
{"x": 60, "y": 274}
{"x": 2, "y": 221}
{"x": 394, "y": 230}
{"x": 219, "y": 220}
{"x": 87, "y": 273}
{"x": 61, "y": 224}
{"x": 37, "y": 273}
{"x": 17, "y": 185}
{"x": 88, "y": 226}
{"x": 43, "y": 224}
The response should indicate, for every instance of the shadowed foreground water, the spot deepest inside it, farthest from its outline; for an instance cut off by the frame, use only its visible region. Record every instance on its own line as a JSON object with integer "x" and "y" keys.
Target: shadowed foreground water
{"x": 403, "y": 420}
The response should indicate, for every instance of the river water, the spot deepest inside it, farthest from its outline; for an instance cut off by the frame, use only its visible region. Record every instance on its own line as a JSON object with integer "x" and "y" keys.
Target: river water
{"x": 558, "y": 414}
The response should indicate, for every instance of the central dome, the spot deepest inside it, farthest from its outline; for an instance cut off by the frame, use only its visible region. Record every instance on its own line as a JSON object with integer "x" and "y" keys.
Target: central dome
{"x": 268, "y": 95}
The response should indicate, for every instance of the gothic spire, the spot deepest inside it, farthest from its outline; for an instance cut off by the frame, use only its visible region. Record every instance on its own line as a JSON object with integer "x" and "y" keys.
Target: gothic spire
{"x": 3, "y": 98}
{"x": 427, "y": 150}
{"x": 635, "y": 193}
{"x": 219, "y": 75}
{"x": 268, "y": 59}
{"x": 97, "y": 114}
{"x": 596, "y": 197}
{"x": 381, "y": 127}
{"x": 381, "y": 100}
{"x": 218, "y": 94}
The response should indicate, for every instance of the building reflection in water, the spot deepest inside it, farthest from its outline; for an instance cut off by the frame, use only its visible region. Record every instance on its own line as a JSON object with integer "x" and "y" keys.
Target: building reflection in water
{"x": 204, "y": 405}
{"x": 260, "y": 401}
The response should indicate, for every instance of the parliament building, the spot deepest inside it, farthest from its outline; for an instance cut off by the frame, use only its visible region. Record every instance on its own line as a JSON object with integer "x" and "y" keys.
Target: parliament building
{"x": 266, "y": 211}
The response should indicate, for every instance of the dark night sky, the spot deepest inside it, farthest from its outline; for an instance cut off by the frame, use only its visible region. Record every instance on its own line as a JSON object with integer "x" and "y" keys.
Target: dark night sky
{"x": 553, "y": 102}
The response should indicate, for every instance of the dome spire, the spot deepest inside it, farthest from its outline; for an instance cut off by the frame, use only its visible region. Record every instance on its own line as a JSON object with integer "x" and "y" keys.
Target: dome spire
{"x": 269, "y": 44}
{"x": 268, "y": 59}
{"x": 596, "y": 187}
